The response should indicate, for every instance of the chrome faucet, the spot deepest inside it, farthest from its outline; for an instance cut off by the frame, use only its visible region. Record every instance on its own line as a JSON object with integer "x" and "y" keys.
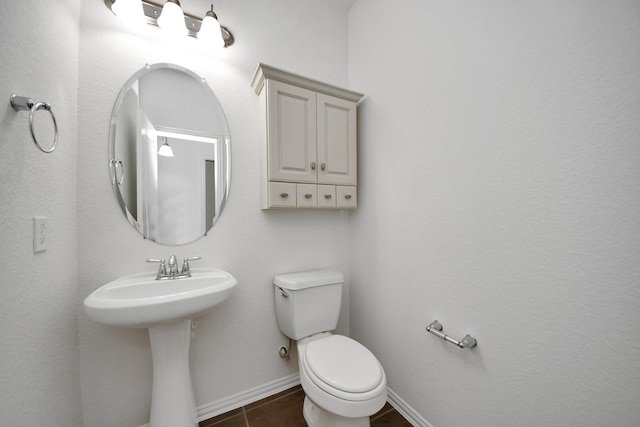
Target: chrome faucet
{"x": 169, "y": 269}
{"x": 172, "y": 264}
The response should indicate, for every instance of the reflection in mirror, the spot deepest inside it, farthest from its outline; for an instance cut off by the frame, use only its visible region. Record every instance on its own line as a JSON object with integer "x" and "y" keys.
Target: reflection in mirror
{"x": 169, "y": 154}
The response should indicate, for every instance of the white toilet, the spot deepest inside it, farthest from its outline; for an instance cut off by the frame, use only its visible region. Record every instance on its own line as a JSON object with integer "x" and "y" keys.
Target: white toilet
{"x": 343, "y": 381}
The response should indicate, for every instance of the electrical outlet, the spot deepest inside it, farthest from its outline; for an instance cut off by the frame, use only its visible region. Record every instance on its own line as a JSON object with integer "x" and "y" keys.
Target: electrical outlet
{"x": 40, "y": 233}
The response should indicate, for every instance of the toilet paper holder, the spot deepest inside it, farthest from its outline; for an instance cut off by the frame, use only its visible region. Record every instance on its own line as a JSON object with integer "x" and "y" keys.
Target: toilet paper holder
{"x": 468, "y": 341}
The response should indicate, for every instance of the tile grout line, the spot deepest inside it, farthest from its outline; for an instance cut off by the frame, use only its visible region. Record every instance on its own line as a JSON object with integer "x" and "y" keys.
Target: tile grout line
{"x": 213, "y": 424}
{"x": 273, "y": 400}
{"x": 244, "y": 414}
{"x": 381, "y": 414}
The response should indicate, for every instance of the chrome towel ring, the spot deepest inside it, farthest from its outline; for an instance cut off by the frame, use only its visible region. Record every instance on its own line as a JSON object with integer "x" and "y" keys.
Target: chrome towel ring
{"x": 22, "y": 103}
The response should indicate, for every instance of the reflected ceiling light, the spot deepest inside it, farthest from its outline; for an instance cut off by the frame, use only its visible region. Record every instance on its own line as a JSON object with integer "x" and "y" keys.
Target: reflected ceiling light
{"x": 129, "y": 10}
{"x": 210, "y": 29}
{"x": 165, "y": 149}
{"x": 171, "y": 17}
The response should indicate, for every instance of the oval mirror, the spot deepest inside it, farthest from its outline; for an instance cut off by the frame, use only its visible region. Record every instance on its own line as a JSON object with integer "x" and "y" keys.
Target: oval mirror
{"x": 169, "y": 154}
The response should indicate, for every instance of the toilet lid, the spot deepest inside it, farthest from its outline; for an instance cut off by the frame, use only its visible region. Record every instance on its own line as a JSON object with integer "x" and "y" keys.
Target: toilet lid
{"x": 344, "y": 364}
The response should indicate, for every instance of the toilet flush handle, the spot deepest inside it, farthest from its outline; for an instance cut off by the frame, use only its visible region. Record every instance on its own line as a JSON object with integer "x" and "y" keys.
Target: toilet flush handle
{"x": 283, "y": 292}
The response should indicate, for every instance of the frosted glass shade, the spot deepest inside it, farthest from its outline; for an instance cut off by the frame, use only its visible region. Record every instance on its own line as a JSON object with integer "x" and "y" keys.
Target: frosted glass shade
{"x": 210, "y": 31}
{"x": 171, "y": 19}
{"x": 130, "y": 11}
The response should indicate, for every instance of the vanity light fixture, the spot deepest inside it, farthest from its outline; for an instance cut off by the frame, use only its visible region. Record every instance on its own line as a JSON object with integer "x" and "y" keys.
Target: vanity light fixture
{"x": 165, "y": 149}
{"x": 170, "y": 16}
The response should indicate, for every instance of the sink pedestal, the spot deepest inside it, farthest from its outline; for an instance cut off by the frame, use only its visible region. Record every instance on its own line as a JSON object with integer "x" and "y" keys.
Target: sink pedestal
{"x": 172, "y": 399}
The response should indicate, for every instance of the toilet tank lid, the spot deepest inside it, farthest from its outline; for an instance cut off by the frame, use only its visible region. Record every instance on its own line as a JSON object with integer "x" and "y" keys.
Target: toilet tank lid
{"x": 307, "y": 279}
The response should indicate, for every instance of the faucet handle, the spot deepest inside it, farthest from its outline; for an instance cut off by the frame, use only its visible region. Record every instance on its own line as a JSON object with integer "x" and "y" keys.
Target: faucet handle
{"x": 162, "y": 270}
{"x": 161, "y": 261}
{"x": 185, "y": 263}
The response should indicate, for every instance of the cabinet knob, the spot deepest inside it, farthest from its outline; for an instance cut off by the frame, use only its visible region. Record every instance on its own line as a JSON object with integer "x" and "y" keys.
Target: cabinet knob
{"x": 307, "y": 196}
{"x": 313, "y": 166}
{"x": 323, "y": 166}
{"x": 284, "y": 195}
{"x": 347, "y": 196}
{"x": 327, "y": 196}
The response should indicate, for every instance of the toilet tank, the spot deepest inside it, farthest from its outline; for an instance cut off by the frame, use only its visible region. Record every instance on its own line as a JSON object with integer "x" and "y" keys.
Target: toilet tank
{"x": 308, "y": 302}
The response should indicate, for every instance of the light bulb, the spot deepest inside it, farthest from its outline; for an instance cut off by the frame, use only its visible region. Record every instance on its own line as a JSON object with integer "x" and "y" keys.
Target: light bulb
{"x": 171, "y": 18}
{"x": 129, "y": 10}
{"x": 210, "y": 30}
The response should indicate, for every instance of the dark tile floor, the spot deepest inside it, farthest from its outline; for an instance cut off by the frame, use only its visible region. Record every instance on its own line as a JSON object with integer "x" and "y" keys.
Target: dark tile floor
{"x": 285, "y": 410}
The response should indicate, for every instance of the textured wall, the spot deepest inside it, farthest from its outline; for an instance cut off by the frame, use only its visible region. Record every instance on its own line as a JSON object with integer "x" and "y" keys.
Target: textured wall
{"x": 39, "y": 383}
{"x": 500, "y": 165}
{"x": 236, "y": 346}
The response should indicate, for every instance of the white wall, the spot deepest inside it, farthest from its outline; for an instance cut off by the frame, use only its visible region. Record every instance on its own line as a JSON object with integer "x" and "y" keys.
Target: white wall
{"x": 500, "y": 163}
{"x": 236, "y": 346}
{"x": 40, "y": 382}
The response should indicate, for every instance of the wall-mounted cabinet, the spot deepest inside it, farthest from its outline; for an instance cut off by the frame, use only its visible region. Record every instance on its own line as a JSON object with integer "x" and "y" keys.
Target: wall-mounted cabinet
{"x": 309, "y": 152}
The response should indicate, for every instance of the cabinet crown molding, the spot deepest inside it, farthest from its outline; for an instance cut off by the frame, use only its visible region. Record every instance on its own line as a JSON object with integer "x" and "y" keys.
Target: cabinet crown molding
{"x": 264, "y": 71}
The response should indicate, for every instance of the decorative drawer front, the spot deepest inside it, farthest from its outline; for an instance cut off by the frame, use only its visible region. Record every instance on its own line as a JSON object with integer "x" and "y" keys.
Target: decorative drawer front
{"x": 307, "y": 195}
{"x": 346, "y": 197}
{"x": 282, "y": 195}
{"x": 326, "y": 196}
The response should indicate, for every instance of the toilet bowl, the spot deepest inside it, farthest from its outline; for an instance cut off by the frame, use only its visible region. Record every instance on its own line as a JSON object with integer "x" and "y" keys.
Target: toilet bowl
{"x": 343, "y": 381}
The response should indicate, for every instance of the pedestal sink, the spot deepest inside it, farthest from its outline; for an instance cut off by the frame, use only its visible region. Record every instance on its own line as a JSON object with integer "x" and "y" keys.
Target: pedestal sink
{"x": 166, "y": 308}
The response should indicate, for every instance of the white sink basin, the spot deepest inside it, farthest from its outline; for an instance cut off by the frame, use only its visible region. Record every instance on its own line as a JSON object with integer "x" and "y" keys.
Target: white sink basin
{"x": 140, "y": 301}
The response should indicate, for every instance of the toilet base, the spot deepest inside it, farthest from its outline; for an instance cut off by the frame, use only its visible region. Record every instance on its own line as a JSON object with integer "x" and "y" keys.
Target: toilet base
{"x": 318, "y": 417}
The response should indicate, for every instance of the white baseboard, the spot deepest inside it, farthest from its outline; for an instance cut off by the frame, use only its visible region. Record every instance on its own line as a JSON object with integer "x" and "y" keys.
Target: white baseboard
{"x": 405, "y": 410}
{"x": 210, "y": 410}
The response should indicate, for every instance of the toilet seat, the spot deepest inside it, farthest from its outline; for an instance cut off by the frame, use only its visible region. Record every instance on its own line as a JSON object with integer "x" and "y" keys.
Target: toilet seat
{"x": 344, "y": 368}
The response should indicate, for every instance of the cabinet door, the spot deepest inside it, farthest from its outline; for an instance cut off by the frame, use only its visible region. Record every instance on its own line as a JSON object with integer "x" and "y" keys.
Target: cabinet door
{"x": 291, "y": 133}
{"x": 337, "y": 163}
